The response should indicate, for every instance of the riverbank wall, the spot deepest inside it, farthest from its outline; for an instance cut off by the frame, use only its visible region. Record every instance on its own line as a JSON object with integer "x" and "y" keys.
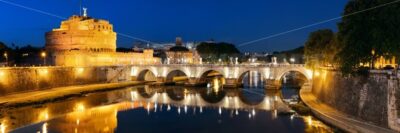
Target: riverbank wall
{"x": 25, "y": 79}
{"x": 373, "y": 98}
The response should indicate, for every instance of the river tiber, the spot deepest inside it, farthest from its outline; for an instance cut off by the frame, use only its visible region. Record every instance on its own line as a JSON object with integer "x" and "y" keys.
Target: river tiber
{"x": 87, "y": 78}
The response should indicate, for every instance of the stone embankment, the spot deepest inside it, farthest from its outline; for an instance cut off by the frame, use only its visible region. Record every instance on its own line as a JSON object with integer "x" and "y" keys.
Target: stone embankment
{"x": 371, "y": 100}
{"x": 26, "y": 79}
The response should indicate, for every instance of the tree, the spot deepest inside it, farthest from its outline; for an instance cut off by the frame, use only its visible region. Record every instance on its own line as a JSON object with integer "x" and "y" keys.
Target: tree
{"x": 213, "y": 51}
{"x": 320, "y": 48}
{"x": 376, "y": 29}
{"x": 332, "y": 50}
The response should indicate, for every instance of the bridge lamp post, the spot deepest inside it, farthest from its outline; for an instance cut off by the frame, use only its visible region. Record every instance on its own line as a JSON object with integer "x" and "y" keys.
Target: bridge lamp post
{"x": 236, "y": 61}
{"x": 372, "y": 59}
{"x": 292, "y": 60}
{"x": 6, "y": 56}
{"x": 43, "y": 55}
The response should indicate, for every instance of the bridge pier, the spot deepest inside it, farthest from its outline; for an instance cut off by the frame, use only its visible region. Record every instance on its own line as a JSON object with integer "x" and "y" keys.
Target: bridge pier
{"x": 231, "y": 83}
{"x": 134, "y": 78}
{"x": 161, "y": 79}
{"x": 272, "y": 84}
{"x": 193, "y": 81}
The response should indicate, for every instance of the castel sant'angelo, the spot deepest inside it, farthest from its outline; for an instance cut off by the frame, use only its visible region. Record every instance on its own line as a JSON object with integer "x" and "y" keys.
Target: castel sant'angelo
{"x": 85, "y": 41}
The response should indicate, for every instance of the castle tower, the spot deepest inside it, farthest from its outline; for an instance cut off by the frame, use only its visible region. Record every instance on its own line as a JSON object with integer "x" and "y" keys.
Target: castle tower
{"x": 82, "y": 33}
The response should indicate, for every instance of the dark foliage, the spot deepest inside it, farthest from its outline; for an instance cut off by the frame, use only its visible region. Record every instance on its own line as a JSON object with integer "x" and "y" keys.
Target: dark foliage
{"x": 376, "y": 29}
{"x": 213, "y": 51}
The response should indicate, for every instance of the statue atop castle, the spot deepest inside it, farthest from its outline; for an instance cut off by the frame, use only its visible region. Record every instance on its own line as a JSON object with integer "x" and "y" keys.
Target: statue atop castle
{"x": 84, "y": 12}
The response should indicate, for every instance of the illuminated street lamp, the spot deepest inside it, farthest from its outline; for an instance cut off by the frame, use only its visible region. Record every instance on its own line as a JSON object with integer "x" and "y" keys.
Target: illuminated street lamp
{"x": 292, "y": 60}
{"x": 372, "y": 59}
{"x": 43, "y": 55}
{"x": 6, "y": 56}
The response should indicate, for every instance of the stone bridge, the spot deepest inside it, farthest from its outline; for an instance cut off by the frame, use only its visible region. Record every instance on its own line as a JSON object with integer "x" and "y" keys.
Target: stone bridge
{"x": 271, "y": 74}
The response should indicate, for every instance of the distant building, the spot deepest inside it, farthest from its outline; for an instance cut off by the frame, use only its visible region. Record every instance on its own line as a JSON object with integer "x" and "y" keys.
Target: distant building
{"x": 180, "y": 54}
{"x": 381, "y": 62}
{"x": 85, "y": 41}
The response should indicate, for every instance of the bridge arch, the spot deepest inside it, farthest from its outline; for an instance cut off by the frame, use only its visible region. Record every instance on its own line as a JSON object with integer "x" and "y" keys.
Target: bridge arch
{"x": 211, "y": 96}
{"x": 175, "y": 73}
{"x": 301, "y": 76}
{"x": 250, "y": 98}
{"x": 206, "y": 73}
{"x": 146, "y": 92}
{"x": 146, "y": 75}
{"x": 247, "y": 73}
{"x": 176, "y": 94}
{"x": 301, "y": 70}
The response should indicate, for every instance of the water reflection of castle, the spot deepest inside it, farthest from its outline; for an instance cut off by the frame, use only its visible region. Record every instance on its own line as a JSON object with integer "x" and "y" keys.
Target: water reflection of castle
{"x": 98, "y": 112}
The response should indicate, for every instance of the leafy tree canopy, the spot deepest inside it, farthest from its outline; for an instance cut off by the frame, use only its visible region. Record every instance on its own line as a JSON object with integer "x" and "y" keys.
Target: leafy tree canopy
{"x": 320, "y": 48}
{"x": 214, "y": 51}
{"x": 376, "y": 29}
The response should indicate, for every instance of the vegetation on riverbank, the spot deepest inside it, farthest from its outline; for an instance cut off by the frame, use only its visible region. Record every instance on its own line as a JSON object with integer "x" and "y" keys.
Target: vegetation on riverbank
{"x": 367, "y": 31}
{"x": 212, "y": 52}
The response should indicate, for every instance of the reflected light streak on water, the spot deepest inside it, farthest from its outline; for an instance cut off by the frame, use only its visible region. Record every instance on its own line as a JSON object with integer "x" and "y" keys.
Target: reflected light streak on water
{"x": 100, "y": 116}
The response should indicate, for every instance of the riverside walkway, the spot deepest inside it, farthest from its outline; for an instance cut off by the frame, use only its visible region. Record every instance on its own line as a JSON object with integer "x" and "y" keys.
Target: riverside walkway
{"x": 33, "y": 97}
{"x": 337, "y": 118}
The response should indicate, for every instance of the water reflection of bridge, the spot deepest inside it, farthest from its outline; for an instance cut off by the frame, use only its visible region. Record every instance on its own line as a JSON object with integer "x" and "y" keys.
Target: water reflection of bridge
{"x": 88, "y": 114}
{"x": 207, "y": 97}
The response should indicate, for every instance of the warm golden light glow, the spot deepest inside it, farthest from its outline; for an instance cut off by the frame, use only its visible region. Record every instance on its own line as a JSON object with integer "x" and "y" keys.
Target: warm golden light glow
{"x": 44, "y": 128}
{"x": 43, "y": 54}
{"x": 216, "y": 85}
{"x": 134, "y": 71}
{"x": 226, "y": 72}
{"x": 79, "y": 107}
{"x": 3, "y": 128}
{"x": 317, "y": 73}
{"x": 309, "y": 73}
{"x": 43, "y": 72}
{"x": 267, "y": 72}
{"x": 164, "y": 71}
{"x": 79, "y": 70}
{"x": 309, "y": 120}
{"x": 2, "y": 73}
{"x": 43, "y": 115}
{"x": 86, "y": 41}
{"x": 3, "y": 77}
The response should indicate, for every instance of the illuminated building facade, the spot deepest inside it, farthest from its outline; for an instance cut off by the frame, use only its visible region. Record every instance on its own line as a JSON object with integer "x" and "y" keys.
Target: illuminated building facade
{"x": 381, "y": 62}
{"x": 179, "y": 54}
{"x": 85, "y": 41}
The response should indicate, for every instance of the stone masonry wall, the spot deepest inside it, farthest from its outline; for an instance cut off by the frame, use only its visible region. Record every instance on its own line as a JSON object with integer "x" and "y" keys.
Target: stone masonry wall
{"x": 365, "y": 98}
{"x": 17, "y": 80}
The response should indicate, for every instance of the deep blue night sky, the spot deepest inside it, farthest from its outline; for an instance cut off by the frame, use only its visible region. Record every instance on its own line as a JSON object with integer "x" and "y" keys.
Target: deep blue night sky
{"x": 234, "y": 21}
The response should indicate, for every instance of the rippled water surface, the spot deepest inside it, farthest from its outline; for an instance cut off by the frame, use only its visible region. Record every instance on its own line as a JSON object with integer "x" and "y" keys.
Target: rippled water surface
{"x": 164, "y": 109}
